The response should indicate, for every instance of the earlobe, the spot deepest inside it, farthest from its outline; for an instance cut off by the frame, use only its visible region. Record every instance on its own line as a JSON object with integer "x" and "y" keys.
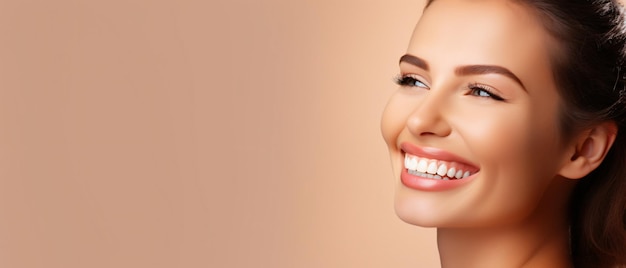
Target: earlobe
{"x": 588, "y": 150}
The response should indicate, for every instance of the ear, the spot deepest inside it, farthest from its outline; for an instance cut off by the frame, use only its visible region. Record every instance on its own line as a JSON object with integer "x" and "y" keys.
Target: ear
{"x": 587, "y": 151}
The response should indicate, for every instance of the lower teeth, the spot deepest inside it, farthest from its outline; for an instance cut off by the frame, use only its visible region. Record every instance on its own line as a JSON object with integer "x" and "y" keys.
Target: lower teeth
{"x": 430, "y": 176}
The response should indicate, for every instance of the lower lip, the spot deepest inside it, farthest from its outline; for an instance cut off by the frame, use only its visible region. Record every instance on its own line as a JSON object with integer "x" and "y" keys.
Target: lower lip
{"x": 432, "y": 185}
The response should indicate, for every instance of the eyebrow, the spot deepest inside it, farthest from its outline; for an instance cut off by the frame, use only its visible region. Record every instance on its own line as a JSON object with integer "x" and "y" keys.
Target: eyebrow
{"x": 466, "y": 69}
{"x": 408, "y": 58}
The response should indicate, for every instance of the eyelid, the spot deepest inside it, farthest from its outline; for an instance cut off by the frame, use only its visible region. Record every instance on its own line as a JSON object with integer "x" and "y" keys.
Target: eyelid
{"x": 483, "y": 86}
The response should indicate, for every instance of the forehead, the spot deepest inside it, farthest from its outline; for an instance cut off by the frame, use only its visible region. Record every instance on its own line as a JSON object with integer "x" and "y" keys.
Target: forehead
{"x": 500, "y": 32}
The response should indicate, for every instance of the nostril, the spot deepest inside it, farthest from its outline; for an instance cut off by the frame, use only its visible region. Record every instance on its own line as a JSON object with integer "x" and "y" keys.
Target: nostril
{"x": 434, "y": 126}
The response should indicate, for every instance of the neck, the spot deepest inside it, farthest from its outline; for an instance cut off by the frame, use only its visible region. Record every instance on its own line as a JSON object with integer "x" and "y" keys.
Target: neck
{"x": 542, "y": 240}
{"x": 503, "y": 248}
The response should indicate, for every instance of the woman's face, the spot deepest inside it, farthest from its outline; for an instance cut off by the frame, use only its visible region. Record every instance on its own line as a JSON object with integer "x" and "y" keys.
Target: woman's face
{"x": 477, "y": 102}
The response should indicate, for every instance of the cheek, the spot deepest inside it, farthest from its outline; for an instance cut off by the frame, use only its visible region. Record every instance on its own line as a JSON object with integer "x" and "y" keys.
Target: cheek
{"x": 511, "y": 135}
{"x": 492, "y": 133}
{"x": 394, "y": 119}
{"x": 518, "y": 154}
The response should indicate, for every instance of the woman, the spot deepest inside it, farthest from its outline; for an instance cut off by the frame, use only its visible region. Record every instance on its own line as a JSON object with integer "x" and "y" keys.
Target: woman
{"x": 508, "y": 132}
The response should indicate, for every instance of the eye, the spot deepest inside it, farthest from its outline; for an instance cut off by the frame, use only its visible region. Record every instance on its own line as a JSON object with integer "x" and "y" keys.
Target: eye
{"x": 410, "y": 81}
{"x": 483, "y": 91}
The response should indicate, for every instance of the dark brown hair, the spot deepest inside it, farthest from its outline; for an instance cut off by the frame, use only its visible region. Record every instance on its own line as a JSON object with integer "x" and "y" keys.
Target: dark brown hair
{"x": 590, "y": 72}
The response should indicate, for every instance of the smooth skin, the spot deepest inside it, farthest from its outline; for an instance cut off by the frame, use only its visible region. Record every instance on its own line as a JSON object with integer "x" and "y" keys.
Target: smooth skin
{"x": 513, "y": 213}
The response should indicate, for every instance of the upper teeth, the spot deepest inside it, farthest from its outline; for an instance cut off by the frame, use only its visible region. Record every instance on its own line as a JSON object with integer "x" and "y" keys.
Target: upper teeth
{"x": 435, "y": 167}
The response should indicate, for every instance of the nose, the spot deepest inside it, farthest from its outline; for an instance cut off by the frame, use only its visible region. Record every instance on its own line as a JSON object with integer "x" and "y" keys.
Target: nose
{"x": 429, "y": 118}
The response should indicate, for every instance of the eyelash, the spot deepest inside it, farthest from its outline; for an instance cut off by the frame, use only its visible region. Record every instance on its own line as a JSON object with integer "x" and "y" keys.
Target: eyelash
{"x": 408, "y": 81}
{"x": 475, "y": 88}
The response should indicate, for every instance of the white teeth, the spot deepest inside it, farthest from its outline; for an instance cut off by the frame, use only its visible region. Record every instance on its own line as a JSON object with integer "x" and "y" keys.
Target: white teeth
{"x": 451, "y": 172}
{"x": 413, "y": 163}
{"x": 432, "y": 168}
{"x": 422, "y": 166}
{"x": 442, "y": 170}
{"x": 410, "y": 162}
{"x": 428, "y": 168}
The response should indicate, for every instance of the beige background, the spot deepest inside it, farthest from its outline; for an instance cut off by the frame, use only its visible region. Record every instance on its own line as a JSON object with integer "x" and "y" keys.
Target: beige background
{"x": 190, "y": 133}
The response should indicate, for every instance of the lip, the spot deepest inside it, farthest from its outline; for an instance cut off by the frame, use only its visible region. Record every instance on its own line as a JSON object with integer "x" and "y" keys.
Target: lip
{"x": 432, "y": 185}
{"x": 427, "y": 184}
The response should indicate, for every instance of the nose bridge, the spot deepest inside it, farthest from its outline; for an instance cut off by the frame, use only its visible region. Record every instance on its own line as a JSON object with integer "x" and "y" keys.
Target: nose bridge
{"x": 428, "y": 118}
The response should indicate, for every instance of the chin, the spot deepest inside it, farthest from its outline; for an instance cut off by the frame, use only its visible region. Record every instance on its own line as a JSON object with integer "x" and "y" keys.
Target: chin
{"x": 417, "y": 221}
{"x": 415, "y": 211}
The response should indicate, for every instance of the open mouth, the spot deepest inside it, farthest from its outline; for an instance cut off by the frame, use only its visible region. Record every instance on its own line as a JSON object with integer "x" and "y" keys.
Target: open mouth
{"x": 437, "y": 169}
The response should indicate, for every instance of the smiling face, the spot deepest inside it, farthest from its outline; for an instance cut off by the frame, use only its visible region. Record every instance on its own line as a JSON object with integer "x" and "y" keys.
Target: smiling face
{"x": 473, "y": 129}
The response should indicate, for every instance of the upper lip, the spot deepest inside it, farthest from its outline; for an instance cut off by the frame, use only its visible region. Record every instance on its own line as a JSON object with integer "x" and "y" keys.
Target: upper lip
{"x": 435, "y": 153}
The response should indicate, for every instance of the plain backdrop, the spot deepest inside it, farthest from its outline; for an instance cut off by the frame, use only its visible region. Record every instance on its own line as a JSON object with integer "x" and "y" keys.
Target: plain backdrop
{"x": 194, "y": 133}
